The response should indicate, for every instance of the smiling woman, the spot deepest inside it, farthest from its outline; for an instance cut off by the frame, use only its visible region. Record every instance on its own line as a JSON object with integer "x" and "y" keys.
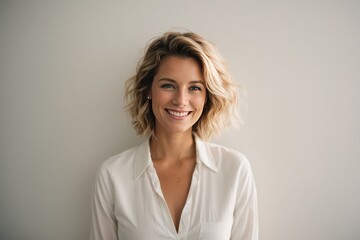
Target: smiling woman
{"x": 178, "y": 95}
{"x": 175, "y": 185}
{"x": 221, "y": 106}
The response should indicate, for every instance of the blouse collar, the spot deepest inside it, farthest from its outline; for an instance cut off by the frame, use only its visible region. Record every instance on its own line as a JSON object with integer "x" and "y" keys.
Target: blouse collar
{"x": 143, "y": 156}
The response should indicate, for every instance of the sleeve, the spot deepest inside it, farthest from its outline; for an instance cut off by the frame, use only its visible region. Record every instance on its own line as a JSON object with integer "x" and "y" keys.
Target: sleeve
{"x": 246, "y": 222}
{"x": 103, "y": 222}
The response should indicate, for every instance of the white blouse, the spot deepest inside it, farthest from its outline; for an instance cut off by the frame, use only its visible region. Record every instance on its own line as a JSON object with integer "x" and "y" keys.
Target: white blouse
{"x": 128, "y": 203}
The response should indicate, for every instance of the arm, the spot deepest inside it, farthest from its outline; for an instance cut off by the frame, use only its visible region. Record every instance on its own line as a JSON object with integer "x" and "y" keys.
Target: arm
{"x": 103, "y": 222}
{"x": 246, "y": 222}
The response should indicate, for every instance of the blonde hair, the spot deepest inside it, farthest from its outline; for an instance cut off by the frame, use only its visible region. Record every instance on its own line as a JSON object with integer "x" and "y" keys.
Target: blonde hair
{"x": 221, "y": 107}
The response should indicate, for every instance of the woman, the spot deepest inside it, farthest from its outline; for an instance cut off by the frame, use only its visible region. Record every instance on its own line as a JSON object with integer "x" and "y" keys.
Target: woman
{"x": 175, "y": 185}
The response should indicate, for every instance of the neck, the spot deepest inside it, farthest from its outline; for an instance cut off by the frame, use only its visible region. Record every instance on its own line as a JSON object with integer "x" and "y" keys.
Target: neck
{"x": 172, "y": 147}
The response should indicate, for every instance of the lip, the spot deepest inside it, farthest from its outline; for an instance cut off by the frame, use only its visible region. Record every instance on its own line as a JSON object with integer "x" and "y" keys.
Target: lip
{"x": 178, "y": 114}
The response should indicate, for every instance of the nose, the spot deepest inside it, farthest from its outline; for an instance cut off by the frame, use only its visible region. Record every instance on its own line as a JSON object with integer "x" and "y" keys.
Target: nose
{"x": 181, "y": 98}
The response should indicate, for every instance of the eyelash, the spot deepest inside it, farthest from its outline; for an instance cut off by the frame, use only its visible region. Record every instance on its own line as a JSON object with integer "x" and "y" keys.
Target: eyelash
{"x": 192, "y": 88}
{"x": 195, "y": 88}
{"x": 167, "y": 86}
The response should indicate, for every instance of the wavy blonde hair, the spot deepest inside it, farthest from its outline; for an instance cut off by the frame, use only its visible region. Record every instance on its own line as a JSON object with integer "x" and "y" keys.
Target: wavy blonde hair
{"x": 221, "y": 107}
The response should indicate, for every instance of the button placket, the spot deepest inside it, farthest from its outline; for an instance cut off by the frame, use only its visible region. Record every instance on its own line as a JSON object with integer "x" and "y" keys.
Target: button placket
{"x": 157, "y": 187}
{"x": 186, "y": 213}
{"x": 155, "y": 181}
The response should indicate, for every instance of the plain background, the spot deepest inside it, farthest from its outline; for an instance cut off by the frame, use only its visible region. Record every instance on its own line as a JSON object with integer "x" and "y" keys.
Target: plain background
{"x": 63, "y": 67}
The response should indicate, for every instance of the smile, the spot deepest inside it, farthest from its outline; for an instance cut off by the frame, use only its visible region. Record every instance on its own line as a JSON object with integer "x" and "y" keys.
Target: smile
{"x": 177, "y": 114}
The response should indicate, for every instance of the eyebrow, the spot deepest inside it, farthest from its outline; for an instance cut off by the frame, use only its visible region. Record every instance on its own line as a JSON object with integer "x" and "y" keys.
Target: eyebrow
{"x": 172, "y": 80}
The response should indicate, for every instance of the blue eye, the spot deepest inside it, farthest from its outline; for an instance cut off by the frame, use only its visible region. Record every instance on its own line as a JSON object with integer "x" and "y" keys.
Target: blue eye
{"x": 167, "y": 85}
{"x": 195, "y": 88}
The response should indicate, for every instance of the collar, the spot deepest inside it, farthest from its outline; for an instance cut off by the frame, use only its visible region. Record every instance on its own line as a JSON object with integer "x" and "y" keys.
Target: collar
{"x": 143, "y": 156}
{"x": 203, "y": 154}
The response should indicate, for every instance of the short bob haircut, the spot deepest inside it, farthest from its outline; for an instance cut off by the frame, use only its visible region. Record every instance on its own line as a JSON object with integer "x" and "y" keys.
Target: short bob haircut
{"x": 221, "y": 107}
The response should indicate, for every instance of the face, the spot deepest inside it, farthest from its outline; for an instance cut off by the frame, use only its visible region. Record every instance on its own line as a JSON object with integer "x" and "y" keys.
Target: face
{"x": 178, "y": 95}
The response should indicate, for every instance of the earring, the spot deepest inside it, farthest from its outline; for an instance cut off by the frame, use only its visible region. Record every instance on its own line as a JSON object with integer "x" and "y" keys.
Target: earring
{"x": 148, "y": 97}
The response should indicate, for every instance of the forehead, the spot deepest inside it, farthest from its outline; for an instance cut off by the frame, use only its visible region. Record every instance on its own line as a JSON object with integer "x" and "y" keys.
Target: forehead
{"x": 180, "y": 68}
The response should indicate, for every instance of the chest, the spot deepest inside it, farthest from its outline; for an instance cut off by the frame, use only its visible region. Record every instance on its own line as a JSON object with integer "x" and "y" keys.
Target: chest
{"x": 200, "y": 206}
{"x": 175, "y": 182}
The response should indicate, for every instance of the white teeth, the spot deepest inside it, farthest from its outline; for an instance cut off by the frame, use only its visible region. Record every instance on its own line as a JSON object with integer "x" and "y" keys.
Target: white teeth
{"x": 178, "y": 114}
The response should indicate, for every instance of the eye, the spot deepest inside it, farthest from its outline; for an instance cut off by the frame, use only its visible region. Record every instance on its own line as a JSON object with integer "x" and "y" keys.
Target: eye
{"x": 195, "y": 88}
{"x": 168, "y": 86}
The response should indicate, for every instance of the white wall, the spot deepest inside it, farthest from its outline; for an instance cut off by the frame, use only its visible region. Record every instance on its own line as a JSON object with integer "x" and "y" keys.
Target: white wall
{"x": 63, "y": 67}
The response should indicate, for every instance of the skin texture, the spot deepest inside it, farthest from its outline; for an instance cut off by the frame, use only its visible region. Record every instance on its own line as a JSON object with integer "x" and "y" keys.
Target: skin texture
{"x": 178, "y": 96}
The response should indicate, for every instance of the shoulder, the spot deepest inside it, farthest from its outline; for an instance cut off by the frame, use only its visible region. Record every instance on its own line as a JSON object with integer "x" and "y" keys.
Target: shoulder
{"x": 225, "y": 157}
{"x": 121, "y": 162}
{"x": 122, "y": 157}
{"x": 225, "y": 153}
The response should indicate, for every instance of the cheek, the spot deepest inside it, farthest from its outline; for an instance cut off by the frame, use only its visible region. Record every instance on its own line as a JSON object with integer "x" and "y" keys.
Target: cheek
{"x": 162, "y": 98}
{"x": 200, "y": 102}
